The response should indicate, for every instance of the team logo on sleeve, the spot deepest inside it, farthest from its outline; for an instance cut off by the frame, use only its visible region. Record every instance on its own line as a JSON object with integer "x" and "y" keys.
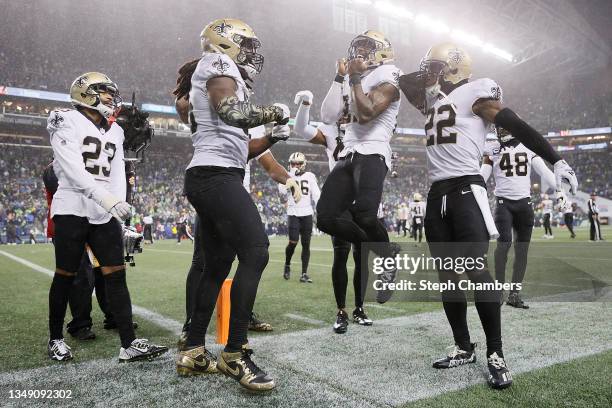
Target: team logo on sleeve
{"x": 496, "y": 93}
{"x": 57, "y": 120}
{"x": 222, "y": 28}
{"x": 220, "y": 65}
{"x": 396, "y": 76}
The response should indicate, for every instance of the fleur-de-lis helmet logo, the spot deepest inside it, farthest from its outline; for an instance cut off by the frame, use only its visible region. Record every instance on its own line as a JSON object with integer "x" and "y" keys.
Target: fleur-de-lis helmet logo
{"x": 455, "y": 56}
{"x": 222, "y": 28}
{"x": 82, "y": 81}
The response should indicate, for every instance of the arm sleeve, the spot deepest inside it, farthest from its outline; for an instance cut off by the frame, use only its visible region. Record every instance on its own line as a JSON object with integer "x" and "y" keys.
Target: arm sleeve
{"x": 485, "y": 171}
{"x": 301, "y": 126}
{"x": 534, "y": 141}
{"x": 333, "y": 105}
{"x": 548, "y": 177}
{"x": 67, "y": 156}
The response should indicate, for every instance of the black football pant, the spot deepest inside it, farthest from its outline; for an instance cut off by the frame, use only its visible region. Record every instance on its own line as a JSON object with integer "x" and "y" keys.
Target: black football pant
{"x": 355, "y": 183}
{"x": 417, "y": 227}
{"x": 517, "y": 216}
{"x": 595, "y": 228}
{"x": 455, "y": 227}
{"x": 340, "y": 273}
{"x": 230, "y": 226}
{"x": 569, "y": 223}
{"x": 148, "y": 232}
{"x": 300, "y": 228}
{"x": 547, "y": 229}
{"x": 72, "y": 233}
{"x": 195, "y": 273}
{"x": 87, "y": 278}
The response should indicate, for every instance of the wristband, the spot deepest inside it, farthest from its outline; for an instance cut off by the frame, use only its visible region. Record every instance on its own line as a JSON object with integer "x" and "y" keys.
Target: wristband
{"x": 339, "y": 79}
{"x": 355, "y": 79}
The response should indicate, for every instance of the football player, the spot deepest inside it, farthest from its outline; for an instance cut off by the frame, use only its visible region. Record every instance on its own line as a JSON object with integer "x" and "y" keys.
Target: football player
{"x": 88, "y": 206}
{"x": 220, "y": 113}
{"x": 300, "y": 214}
{"x": 330, "y": 136}
{"x": 547, "y": 210}
{"x": 417, "y": 210}
{"x": 595, "y": 231}
{"x": 568, "y": 208}
{"x": 357, "y": 180}
{"x": 511, "y": 164}
{"x": 459, "y": 115}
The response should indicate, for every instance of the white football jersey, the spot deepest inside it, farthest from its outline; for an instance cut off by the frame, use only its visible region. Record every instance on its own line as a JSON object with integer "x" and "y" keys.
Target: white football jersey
{"x": 215, "y": 143}
{"x": 310, "y": 194}
{"x": 88, "y": 162}
{"x": 417, "y": 208}
{"x": 254, "y": 133}
{"x": 567, "y": 208}
{"x": 547, "y": 206}
{"x": 374, "y": 136}
{"x": 403, "y": 213}
{"x": 455, "y": 135}
{"x": 331, "y": 133}
{"x": 511, "y": 170}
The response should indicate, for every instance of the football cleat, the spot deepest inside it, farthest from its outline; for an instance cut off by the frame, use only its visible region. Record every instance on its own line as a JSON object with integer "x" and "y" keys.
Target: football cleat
{"x": 305, "y": 278}
{"x": 84, "y": 333}
{"x": 384, "y": 295}
{"x": 196, "y": 361}
{"x": 456, "y": 358}
{"x": 240, "y": 367}
{"x": 499, "y": 375}
{"x": 257, "y": 325}
{"x": 287, "y": 272}
{"x": 515, "y": 300}
{"x": 140, "y": 349}
{"x": 341, "y": 324}
{"x": 361, "y": 318}
{"x": 58, "y": 350}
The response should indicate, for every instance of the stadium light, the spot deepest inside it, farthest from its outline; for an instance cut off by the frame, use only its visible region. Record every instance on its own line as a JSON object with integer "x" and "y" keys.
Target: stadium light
{"x": 391, "y": 9}
{"x": 431, "y": 24}
{"x": 462, "y": 36}
{"x": 490, "y": 48}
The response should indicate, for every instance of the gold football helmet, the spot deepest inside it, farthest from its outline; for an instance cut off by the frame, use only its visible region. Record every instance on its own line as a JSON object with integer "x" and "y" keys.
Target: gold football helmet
{"x": 86, "y": 89}
{"x": 237, "y": 40}
{"x": 297, "y": 160}
{"x": 417, "y": 197}
{"x": 373, "y": 47}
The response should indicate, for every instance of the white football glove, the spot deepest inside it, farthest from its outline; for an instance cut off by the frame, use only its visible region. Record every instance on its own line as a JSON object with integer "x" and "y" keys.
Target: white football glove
{"x": 565, "y": 174}
{"x": 286, "y": 111}
{"x": 303, "y": 97}
{"x": 121, "y": 211}
{"x": 561, "y": 198}
{"x": 293, "y": 186}
{"x": 279, "y": 133}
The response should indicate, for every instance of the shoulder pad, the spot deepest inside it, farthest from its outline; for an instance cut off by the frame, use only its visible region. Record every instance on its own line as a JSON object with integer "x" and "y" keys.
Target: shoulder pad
{"x": 485, "y": 88}
{"x": 215, "y": 64}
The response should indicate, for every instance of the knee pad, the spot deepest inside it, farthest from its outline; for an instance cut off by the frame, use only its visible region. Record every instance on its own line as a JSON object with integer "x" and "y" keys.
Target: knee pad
{"x": 292, "y": 245}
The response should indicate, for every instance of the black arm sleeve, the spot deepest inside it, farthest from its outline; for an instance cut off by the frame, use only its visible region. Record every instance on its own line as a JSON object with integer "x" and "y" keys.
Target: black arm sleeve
{"x": 527, "y": 135}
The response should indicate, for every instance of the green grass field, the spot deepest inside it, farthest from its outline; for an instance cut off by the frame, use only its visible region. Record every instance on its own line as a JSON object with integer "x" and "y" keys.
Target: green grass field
{"x": 561, "y": 353}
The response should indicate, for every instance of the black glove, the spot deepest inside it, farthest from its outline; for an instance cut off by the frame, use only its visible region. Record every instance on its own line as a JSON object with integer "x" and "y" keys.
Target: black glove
{"x": 136, "y": 127}
{"x": 413, "y": 87}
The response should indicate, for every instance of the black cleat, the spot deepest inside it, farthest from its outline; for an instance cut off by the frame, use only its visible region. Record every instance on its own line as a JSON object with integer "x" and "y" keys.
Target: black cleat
{"x": 84, "y": 333}
{"x": 341, "y": 324}
{"x": 305, "y": 278}
{"x": 240, "y": 367}
{"x": 515, "y": 300}
{"x": 258, "y": 325}
{"x": 140, "y": 349}
{"x": 388, "y": 276}
{"x": 58, "y": 350}
{"x": 456, "y": 358}
{"x": 361, "y": 318}
{"x": 499, "y": 375}
{"x": 287, "y": 272}
{"x": 196, "y": 361}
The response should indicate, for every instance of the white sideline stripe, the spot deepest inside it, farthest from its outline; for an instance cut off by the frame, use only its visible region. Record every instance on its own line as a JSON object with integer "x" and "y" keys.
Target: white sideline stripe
{"x": 156, "y": 318}
{"x": 377, "y": 306}
{"x": 304, "y": 319}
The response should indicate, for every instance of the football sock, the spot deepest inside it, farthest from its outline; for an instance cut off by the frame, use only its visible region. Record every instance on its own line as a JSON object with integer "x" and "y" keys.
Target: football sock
{"x": 520, "y": 261}
{"x": 360, "y": 280}
{"x": 252, "y": 262}
{"x": 305, "y": 255}
{"x": 501, "y": 258}
{"x": 456, "y": 312}
{"x": 289, "y": 250}
{"x": 339, "y": 272}
{"x": 58, "y": 302}
{"x": 120, "y": 305}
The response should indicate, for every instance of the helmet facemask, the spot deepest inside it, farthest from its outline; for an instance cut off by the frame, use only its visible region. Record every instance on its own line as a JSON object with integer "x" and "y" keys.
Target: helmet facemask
{"x": 94, "y": 91}
{"x": 366, "y": 48}
{"x": 431, "y": 72}
{"x": 248, "y": 58}
{"x": 504, "y": 137}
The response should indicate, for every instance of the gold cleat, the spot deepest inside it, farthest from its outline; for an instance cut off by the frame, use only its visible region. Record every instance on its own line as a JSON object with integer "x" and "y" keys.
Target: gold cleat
{"x": 196, "y": 361}
{"x": 240, "y": 367}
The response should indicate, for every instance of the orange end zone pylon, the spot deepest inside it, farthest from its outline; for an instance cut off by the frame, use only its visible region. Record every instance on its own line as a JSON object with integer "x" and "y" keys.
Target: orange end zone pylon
{"x": 223, "y": 311}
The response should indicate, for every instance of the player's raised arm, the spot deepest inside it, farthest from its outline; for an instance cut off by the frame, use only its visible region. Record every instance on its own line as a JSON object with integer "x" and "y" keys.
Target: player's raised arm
{"x": 492, "y": 111}
{"x": 308, "y": 132}
{"x": 333, "y": 105}
{"x": 368, "y": 107}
